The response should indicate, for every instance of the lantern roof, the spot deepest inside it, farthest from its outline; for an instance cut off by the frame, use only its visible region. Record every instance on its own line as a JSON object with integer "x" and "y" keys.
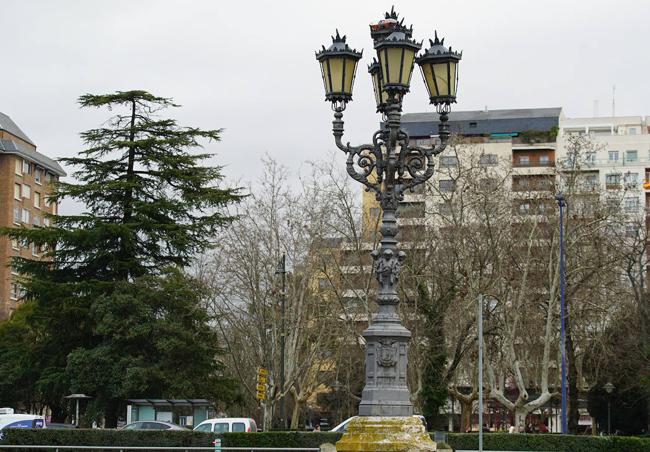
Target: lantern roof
{"x": 438, "y": 50}
{"x": 338, "y": 47}
{"x": 398, "y": 38}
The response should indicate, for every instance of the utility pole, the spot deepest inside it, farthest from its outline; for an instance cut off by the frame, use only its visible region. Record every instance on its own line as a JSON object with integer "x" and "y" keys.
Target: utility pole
{"x": 282, "y": 269}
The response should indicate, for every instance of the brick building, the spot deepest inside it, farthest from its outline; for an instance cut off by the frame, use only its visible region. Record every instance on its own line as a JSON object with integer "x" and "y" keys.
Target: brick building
{"x": 26, "y": 178}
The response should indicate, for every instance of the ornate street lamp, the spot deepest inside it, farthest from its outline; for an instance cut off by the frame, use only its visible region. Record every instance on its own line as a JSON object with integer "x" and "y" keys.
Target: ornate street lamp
{"x": 439, "y": 66}
{"x": 338, "y": 65}
{"x": 388, "y": 167}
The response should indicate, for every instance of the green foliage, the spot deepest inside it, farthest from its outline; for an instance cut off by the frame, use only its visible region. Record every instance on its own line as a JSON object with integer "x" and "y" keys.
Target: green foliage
{"x": 165, "y": 438}
{"x": 549, "y": 442}
{"x": 151, "y": 203}
{"x": 179, "y": 438}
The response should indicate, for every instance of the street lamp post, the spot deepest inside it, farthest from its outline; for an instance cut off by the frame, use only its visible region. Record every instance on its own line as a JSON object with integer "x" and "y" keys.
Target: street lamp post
{"x": 609, "y": 387}
{"x": 388, "y": 167}
{"x": 562, "y": 204}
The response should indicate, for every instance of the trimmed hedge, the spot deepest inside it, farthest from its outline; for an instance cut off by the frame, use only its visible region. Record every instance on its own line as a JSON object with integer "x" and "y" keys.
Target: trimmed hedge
{"x": 166, "y": 438}
{"x": 549, "y": 442}
{"x": 180, "y": 438}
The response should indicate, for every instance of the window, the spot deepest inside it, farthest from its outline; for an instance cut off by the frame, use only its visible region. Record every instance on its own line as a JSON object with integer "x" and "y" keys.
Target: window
{"x": 46, "y": 222}
{"x": 15, "y": 244}
{"x": 238, "y": 427}
{"x": 48, "y": 177}
{"x": 38, "y": 174}
{"x": 487, "y": 159}
{"x": 25, "y": 218}
{"x": 27, "y": 168}
{"x": 14, "y": 270}
{"x": 15, "y": 291}
{"x": 591, "y": 181}
{"x": 35, "y": 250}
{"x": 631, "y": 230}
{"x": 447, "y": 185}
{"x": 472, "y": 125}
{"x": 612, "y": 156}
{"x": 54, "y": 207}
{"x": 632, "y": 131}
{"x": 204, "y": 427}
{"x": 411, "y": 210}
{"x": 590, "y": 157}
{"x": 524, "y": 160}
{"x": 631, "y": 156}
{"x": 221, "y": 427}
{"x": 16, "y": 215}
{"x": 631, "y": 204}
{"x": 37, "y": 220}
{"x": 444, "y": 208}
{"x": 17, "y": 192}
{"x": 27, "y": 191}
{"x": 37, "y": 200}
{"x": 544, "y": 160}
{"x": 612, "y": 179}
{"x": 18, "y": 168}
{"x": 632, "y": 178}
{"x": 524, "y": 208}
{"x": 448, "y": 161}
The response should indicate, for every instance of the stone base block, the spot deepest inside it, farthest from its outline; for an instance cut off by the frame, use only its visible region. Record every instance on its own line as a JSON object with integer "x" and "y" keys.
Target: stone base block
{"x": 386, "y": 434}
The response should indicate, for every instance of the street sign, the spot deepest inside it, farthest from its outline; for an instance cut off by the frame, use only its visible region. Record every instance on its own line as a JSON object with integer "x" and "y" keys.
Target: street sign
{"x": 262, "y": 371}
{"x": 260, "y": 388}
{"x": 260, "y": 395}
{"x": 261, "y": 379}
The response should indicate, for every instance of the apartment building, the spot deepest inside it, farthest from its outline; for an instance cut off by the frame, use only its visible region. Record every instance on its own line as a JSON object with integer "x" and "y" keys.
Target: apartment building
{"x": 26, "y": 178}
{"x": 619, "y": 160}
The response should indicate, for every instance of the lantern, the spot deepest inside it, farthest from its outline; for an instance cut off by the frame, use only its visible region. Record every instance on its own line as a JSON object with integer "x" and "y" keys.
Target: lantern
{"x": 338, "y": 66}
{"x": 396, "y": 54}
{"x": 439, "y": 67}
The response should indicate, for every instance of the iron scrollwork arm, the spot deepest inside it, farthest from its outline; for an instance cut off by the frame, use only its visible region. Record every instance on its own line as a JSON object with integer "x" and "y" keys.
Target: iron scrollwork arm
{"x": 362, "y": 161}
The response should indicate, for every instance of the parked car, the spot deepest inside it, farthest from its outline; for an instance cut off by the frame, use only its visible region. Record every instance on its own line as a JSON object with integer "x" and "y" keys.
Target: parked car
{"x": 343, "y": 426}
{"x": 152, "y": 425}
{"x": 21, "y": 421}
{"x": 227, "y": 424}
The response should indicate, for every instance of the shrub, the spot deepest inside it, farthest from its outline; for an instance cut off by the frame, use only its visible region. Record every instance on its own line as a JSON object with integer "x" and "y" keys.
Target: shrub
{"x": 549, "y": 442}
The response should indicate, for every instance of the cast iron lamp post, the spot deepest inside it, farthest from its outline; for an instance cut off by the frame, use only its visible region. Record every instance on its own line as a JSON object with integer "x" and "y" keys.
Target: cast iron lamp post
{"x": 609, "y": 387}
{"x": 389, "y": 166}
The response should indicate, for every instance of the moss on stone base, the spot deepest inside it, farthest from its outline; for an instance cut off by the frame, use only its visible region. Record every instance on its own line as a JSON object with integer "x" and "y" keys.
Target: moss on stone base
{"x": 385, "y": 434}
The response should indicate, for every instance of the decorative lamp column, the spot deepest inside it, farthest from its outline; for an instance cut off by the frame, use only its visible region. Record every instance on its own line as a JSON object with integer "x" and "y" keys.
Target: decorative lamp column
{"x": 388, "y": 166}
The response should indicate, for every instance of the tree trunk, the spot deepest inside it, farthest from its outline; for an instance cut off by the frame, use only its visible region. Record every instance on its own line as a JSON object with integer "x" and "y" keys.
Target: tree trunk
{"x": 111, "y": 413}
{"x": 268, "y": 416}
{"x": 520, "y": 418}
{"x": 295, "y": 414}
{"x": 465, "y": 414}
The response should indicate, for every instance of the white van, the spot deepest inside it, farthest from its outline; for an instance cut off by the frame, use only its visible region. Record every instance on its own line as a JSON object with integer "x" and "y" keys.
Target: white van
{"x": 227, "y": 424}
{"x": 21, "y": 421}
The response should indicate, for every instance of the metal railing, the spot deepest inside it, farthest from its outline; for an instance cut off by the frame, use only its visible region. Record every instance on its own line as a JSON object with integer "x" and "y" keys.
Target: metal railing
{"x": 127, "y": 448}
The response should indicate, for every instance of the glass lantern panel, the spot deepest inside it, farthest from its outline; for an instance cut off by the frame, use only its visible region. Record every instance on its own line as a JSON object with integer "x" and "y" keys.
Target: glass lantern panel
{"x": 452, "y": 73}
{"x": 407, "y": 70}
{"x": 350, "y": 68}
{"x": 376, "y": 87}
{"x": 335, "y": 66}
{"x": 441, "y": 74}
{"x": 427, "y": 75}
{"x": 323, "y": 71}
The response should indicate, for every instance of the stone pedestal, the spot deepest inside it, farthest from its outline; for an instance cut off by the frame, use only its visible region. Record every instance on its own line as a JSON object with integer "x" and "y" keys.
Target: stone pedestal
{"x": 386, "y": 434}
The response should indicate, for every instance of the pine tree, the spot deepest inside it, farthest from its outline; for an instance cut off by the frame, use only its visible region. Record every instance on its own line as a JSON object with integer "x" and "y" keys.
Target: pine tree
{"x": 149, "y": 204}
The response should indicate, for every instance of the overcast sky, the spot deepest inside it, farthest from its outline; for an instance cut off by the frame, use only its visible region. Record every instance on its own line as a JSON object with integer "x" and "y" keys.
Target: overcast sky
{"x": 249, "y": 66}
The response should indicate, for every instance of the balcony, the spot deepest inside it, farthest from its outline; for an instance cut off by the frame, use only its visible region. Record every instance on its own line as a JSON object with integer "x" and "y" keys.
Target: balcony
{"x": 533, "y": 164}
